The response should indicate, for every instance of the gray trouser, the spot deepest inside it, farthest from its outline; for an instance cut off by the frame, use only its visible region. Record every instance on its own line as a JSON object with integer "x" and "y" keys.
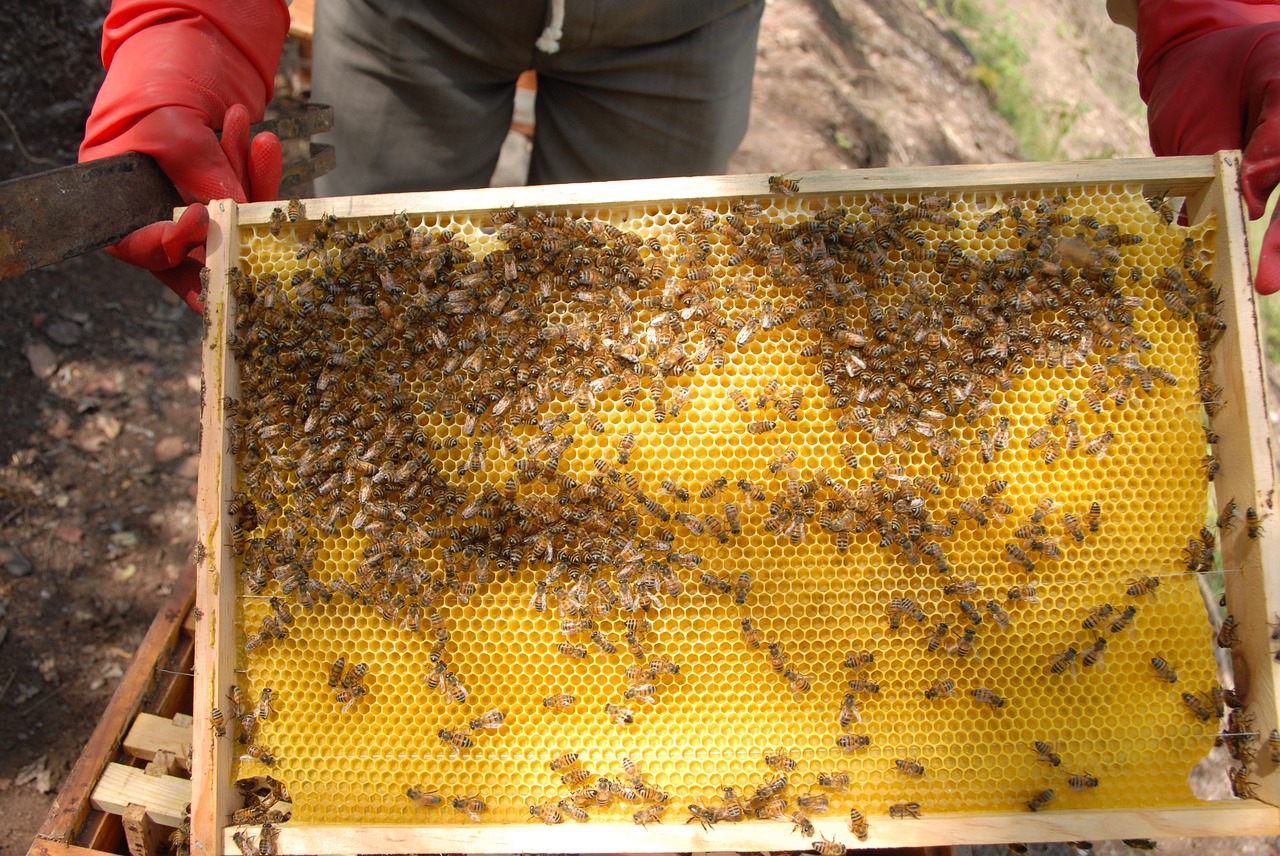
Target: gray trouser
{"x": 422, "y": 90}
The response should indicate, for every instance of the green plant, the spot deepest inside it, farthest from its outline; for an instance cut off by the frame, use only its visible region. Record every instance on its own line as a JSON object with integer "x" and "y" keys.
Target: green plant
{"x": 999, "y": 67}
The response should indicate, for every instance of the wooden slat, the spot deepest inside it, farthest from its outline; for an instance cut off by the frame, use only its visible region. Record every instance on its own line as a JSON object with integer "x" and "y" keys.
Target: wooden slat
{"x": 41, "y": 847}
{"x": 172, "y": 691}
{"x": 1239, "y": 818}
{"x": 302, "y": 15}
{"x": 166, "y": 797}
{"x": 72, "y": 803}
{"x": 215, "y": 598}
{"x": 1172, "y": 176}
{"x": 144, "y": 836}
{"x": 1248, "y": 472}
{"x": 150, "y": 734}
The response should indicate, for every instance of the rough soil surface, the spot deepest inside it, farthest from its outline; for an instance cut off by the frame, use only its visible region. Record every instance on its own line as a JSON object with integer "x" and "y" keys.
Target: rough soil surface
{"x": 99, "y": 365}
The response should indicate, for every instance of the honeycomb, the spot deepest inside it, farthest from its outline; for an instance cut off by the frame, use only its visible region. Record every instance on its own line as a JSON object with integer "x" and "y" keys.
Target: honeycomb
{"x": 979, "y": 408}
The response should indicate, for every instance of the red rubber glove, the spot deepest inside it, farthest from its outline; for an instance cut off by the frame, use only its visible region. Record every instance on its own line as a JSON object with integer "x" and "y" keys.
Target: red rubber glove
{"x": 178, "y": 71}
{"x": 1209, "y": 71}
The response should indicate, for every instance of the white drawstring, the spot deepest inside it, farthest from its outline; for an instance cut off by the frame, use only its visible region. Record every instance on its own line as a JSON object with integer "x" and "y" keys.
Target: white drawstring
{"x": 549, "y": 41}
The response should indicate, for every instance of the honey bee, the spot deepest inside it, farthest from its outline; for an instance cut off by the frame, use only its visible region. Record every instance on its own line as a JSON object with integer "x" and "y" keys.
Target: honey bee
{"x": 260, "y": 754}
{"x": 787, "y": 187}
{"x": 938, "y": 636}
{"x": 620, "y": 715}
{"x": 849, "y": 712}
{"x": 1039, "y": 437}
{"x": 826, "y": 846}
{"x": 1041, "y": 799}
{"x": 1093, "y": 654}
{"x": 909, "y": 767}
{"x": 472, "y": 807}
{"x": 1098, "y": 446}
{"x": 1059, "y": 663}
{"x": 548, "y": 813}
{"x": 705, "y": 817}
{"x": 750, "y": 636}
{"x": 742, "y": 587}
{"x": 1025, "y": 593}
{"x": 1045, "y": 752}
{"x": 426, "y": 799}
{"x": 1252, "y": 527}
{"x": 732, "y": 518}
{"x": 1097, "y": 615}
{"x": 853, "y": 742}
{"x": 576, "y": 776}
{"x": 858, "y": 824}
{"x": 1019, "y": 557}
{"x": 1227, "y": 636}
{"x": 455, "y": 740}
{"x": 1044, "y": 507}
{"x": 218, "y": 722}
{"x": 834, "y": 781}
{"x": 780, "y": 761}
{"x": 1197, "y": 706}
{"x": 740, "y": 399}
{"x": 1241, "y": 787}
{"x": 973, "y": 510}
{"x": 355, "y": 675}
{"x": 899, "y": 811}
{"x": 762, "y": 426}
{"x": 264, "y": 704}
{"x": 859, "y": 659}
{"x": 1082, "y": 781}
{"x": 1227, "y": 516}
{"x": 237, "y": 707}
{"x": 988, "y": 697}
{"x": 777, "y": 657}
{"x": 241, "y": 838}
{"x": 713, "y": 487}
{"x": 970, "y": 611}
{"x": 1121, "y": 621}
{"x": 1143, "y": 585}
{"x": 998, "y": 614}
{"x": 944, "y": 688}
{"x": 570, "y": 649}
{"x": 491, "y": 720}
{"x": 564, "y": 762}
{"x": 347, "y": 698}
{"x": 649, "y": 814}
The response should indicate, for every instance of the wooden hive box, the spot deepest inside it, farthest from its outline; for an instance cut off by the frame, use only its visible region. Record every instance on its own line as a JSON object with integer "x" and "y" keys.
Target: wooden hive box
{"x": 818, "y": 595}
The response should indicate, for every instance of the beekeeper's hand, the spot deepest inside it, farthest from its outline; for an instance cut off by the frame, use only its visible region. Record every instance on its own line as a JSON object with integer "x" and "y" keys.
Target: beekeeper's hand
{"x": 178, "y": 72}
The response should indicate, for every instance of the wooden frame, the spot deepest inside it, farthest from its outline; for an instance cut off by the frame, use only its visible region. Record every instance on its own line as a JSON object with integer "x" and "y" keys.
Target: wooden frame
{"x": 156, "y": 681}
{"x": 1210, "y": 185}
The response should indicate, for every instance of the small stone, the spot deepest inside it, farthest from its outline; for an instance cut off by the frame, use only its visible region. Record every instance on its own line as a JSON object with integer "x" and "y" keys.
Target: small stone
{"x": 126, "y": 573}
{"x": 59, "y": 426}
{"x": 43, "y": 361}
{"x": 89, "y": 439}
{"x": 63, "y": 332}
{"x": 125, "y": 538}
{"x": 169, "y": 449}
{"x": 69, "y": 534}
{"x": 14, "y": 562}
{"x": 109, "y": 425}
{"x": 77, "y": 315}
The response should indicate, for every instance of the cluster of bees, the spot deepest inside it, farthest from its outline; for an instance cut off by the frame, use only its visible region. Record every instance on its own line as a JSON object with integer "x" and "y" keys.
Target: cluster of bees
{"x": 389, "y": 328}
{"x": 245, "y": 720}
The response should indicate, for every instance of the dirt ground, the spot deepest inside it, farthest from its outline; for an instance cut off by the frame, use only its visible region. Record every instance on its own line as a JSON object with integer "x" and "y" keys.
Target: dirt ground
{"x": 99, "y": 364}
